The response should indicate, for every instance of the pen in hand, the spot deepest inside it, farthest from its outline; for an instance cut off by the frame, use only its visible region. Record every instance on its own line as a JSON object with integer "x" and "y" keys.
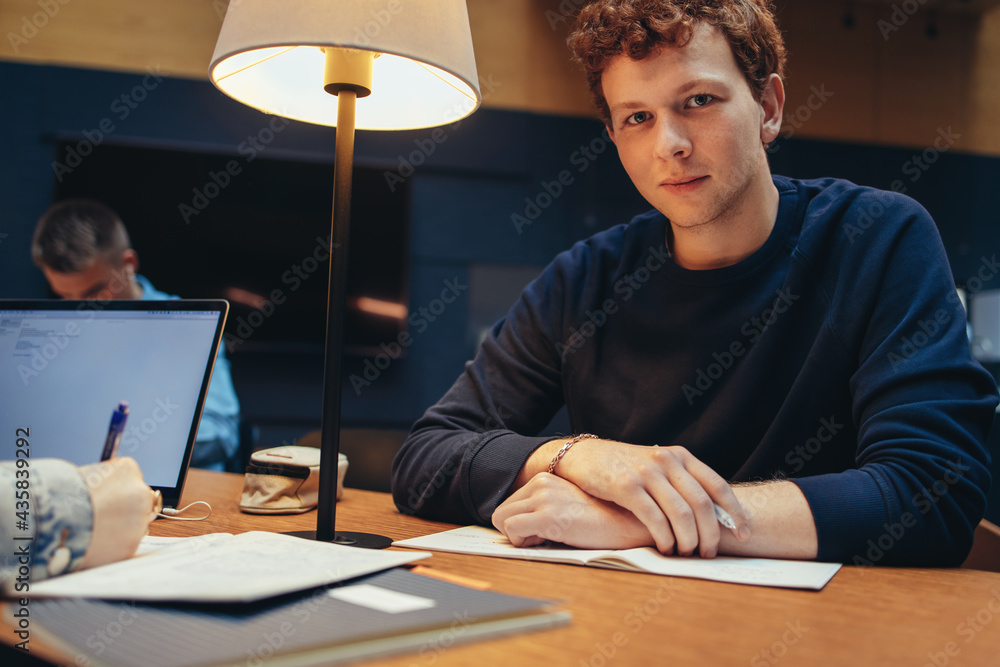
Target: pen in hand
{"x": 724, "y": 518}
{"x": 115, "y": 430}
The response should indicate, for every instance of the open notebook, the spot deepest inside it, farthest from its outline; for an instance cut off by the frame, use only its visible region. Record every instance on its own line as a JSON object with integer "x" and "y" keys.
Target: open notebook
{"x": 737, "y": 570}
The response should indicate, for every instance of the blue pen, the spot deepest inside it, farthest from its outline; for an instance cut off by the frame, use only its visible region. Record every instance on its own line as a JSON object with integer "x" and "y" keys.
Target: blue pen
{"x": 115, "y": 430}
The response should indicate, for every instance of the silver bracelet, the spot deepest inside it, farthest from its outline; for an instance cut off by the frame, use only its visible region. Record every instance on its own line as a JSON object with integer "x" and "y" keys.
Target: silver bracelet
{"x": 565, "y": 448}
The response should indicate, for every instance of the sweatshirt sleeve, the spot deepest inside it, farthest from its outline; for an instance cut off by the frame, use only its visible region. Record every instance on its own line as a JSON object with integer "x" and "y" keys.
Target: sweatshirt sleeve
{"x": 46, "y": 509}
{"x": 922, "y": 405}
{"x": 463, "y": 455}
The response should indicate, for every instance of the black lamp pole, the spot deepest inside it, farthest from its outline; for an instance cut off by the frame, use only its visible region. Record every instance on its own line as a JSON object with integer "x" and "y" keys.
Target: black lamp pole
{"x": 340, "y": 227}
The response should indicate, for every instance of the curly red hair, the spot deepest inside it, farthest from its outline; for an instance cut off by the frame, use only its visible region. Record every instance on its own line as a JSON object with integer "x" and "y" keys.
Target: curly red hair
{"x": 609, "y": 28}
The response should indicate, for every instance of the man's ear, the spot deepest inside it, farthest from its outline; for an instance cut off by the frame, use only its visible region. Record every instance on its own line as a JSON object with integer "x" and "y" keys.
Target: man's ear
{"x": 130, "y": 261}
{"x": 772, "y": 105}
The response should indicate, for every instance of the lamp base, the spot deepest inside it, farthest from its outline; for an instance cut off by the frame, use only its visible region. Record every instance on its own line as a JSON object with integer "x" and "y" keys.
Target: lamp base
{"x": 349, "y": 539}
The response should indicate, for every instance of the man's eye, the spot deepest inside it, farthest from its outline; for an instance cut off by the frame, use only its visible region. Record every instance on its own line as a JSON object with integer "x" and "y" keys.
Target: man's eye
{"x": 700, "y": 100}
{"x": 637, "y": 118}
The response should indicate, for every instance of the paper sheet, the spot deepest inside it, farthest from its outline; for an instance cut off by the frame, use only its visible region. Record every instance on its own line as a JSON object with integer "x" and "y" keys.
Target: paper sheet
{"x": 239, "y": 568}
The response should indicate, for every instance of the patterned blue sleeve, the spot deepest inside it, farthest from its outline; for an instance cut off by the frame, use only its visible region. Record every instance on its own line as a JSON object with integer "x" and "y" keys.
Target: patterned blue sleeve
{"x": 45, "y": 520}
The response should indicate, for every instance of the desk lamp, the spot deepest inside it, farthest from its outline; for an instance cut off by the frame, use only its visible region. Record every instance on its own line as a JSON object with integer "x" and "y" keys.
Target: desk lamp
{"x": 365, "y": 64}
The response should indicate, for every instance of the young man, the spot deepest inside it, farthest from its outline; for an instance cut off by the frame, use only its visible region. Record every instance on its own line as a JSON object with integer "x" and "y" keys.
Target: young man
{"x": 754, "y": 339}
{"x": 84, "y": 251}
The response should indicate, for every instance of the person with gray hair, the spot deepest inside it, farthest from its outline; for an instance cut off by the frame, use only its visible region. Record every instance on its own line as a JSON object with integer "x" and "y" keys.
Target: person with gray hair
{"x": 84, "y": 250}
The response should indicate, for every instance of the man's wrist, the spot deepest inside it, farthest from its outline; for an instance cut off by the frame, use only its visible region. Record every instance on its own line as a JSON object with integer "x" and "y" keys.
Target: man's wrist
{"x": 565, "y": 448}
{"x": 537, "y": 462}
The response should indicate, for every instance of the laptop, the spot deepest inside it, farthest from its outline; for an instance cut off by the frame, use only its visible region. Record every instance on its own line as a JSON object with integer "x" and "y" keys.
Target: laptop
{"x": 66, "y": 365}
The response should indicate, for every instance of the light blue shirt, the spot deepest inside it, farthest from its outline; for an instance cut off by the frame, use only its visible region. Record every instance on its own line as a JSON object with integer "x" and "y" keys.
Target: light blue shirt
{"x": 218, "y": 432}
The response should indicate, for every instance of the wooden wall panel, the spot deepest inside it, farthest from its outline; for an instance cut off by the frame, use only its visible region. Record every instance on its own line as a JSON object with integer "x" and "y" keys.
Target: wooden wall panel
{"x": 830, "y": 82}
{"x": 520, "y": 44}
{"x": 502, "y": 50}
{"x": 984, "y": 87}
{"x": 895, "y": 88}
{"x": 178, "y": 36}
{"x": 923, "y": 82}
{"x": 555, "y": 78}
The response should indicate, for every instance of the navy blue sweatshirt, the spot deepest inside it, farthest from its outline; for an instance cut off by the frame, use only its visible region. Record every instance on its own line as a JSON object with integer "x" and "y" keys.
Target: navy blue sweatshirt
{"x": 835, "y": 356}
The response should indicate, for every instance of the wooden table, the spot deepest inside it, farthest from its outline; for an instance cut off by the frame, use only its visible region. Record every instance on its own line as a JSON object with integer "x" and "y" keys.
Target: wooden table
{"x": 864, "y": 616}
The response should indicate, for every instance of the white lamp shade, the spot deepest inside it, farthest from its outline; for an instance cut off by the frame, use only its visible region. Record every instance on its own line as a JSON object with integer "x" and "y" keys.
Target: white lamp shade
{"x": 268, "y": 57}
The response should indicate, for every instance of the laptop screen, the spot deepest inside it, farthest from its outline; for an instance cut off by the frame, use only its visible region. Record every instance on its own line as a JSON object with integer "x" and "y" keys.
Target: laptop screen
{"x": 66, "y": 365}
